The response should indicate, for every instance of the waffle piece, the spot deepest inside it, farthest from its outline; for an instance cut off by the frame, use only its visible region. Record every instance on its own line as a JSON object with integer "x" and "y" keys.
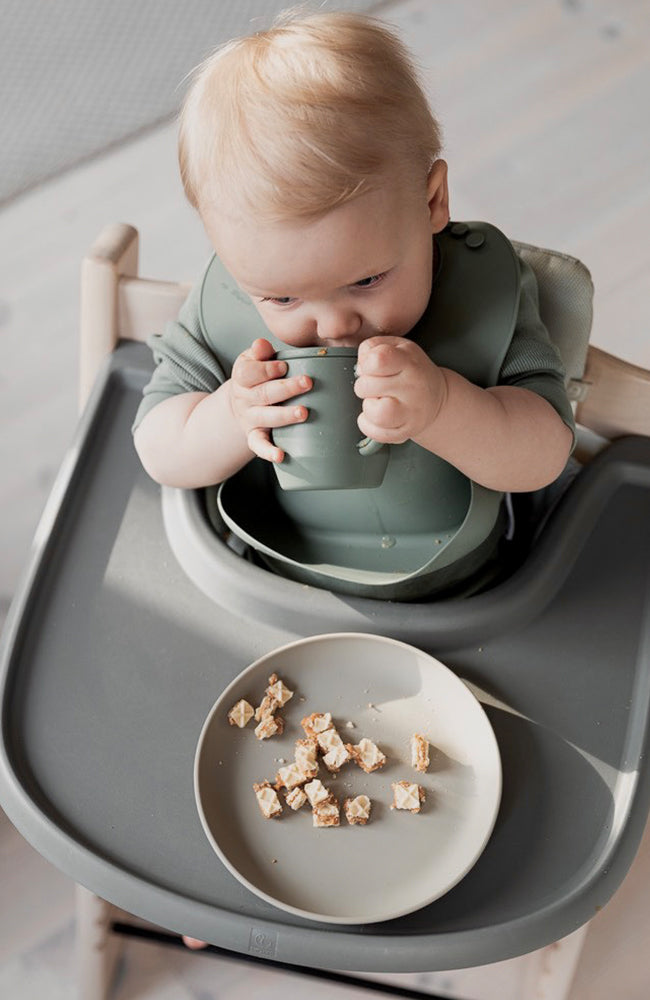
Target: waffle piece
{"x": 367, "y": 755}
{"x": 419, "y": 752}
{"x": 306, "y": 756}
{"x": 316, "y": 792}
{"x": 335, "y": 750}
{"x": 317, "y": 723}
{"x": 328, "y": 738}
{"x": 290, "y": 776}
{"x": 271, "y": 725}
{"x": 241, "y": 714}
{"x": 327, "y": 813}
{"x": 296, "y": 798}
{"x": 336, "y": 758}
{"x": 407, "y": 795}
{"x": 267, "y": 800}
{"x": 266, "y": 707}
{"x": 357, "y": 810}
{"x": 277, "y": 689}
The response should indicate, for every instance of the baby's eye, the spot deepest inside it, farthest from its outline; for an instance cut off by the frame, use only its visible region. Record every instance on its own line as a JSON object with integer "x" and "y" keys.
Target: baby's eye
{"x": 374, "y": 279}
{"x": 280, "y": 300}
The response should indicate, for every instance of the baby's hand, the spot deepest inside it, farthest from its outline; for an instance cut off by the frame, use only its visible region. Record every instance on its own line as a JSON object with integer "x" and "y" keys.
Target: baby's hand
{"x": 401, "y": 388}
{"x": 257, "y": 387}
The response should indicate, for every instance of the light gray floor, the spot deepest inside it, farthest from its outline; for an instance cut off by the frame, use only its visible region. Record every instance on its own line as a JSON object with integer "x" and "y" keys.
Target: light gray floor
{"x": 547, "y": 126}
{"x": 115, "y": 68}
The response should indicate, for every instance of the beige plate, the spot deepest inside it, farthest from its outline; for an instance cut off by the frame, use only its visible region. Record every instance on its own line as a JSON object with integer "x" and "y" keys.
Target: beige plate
{"x": 399, "y": 861}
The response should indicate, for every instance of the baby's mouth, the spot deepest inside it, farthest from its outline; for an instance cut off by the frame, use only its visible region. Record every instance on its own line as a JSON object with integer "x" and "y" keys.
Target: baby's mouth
{"x": 338, "y": 343}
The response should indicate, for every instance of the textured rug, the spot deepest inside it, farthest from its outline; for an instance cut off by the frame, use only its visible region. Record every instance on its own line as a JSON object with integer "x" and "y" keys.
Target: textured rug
{"x": 79, "y": 76}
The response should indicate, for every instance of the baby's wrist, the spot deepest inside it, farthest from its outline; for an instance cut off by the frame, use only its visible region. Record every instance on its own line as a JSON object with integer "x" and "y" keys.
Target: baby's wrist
{"x": 439, "y": 396}
{"x": 435, "y": 420}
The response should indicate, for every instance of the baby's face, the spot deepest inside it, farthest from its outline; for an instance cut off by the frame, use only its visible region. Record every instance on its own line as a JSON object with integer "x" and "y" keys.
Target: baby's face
{"x": 363, "y": 270}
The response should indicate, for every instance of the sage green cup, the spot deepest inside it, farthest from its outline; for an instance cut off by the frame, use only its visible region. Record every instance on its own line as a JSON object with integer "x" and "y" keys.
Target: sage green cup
{"x": 327, "y": 451}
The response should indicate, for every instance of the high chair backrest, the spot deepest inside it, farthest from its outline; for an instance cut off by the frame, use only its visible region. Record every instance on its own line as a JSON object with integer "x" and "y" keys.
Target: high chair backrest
{"x": 613, "y": 396}
{"x": 566, "y": 296}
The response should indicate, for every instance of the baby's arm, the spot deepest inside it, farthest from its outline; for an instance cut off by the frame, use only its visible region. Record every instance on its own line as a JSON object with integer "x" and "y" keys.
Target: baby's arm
{"x": 191, "y": 439}
{"x": 197, "y": 438}
{"x": 506, "y": 438}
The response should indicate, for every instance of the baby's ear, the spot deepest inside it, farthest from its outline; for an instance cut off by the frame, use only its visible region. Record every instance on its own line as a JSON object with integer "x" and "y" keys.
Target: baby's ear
{"x": 438, "y": 196}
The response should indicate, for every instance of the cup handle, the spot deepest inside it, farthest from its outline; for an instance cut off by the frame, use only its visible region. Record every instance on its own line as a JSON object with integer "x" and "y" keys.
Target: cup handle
{"x": 368, "y": 446}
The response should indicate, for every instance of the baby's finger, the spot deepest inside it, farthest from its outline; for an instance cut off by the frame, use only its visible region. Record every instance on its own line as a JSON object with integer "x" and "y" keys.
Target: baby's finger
{"x": 279, "y": 390}
{"x": 276, "y": 416}
{"x": 367, "y": 386}
{"x": 384, "y": 420}
{"x": 249, "y": 372}
{"x": 259, "y": 442}
{"x": 385, "y": 435}
{"x": 261, "y": 350}
{"x": 381, "y": 356}
{"x": 384, "y": 411}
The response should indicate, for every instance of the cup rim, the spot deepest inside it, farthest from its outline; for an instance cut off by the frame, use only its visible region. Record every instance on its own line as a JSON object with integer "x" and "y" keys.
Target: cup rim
{"x": 291, "y": 353}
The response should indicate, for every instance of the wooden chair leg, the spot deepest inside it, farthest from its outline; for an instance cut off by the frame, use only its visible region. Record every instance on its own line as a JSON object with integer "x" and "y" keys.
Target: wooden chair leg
{"x": 551, "y": 970}
{"x": 97, "y": 949}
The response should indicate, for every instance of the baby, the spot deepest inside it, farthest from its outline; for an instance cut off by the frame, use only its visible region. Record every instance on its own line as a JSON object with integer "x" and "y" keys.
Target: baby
{"x": 313, "y": 159}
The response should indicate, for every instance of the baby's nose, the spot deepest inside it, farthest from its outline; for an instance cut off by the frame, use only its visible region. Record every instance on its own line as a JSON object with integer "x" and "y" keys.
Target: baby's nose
{"x": 338, "y": 324}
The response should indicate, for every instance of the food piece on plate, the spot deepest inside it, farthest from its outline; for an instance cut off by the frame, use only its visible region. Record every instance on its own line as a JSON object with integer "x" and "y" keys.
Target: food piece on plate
{"x": 335, "y": 750}
{"x": 419, "y": 752}
{"x": 335, "y": 758}
{"x": 271, "y": 725}
{"x": 241, "y": 713}
{"x": 327, "y": 813}
{"x": 267, "y": 800}
{"x": 306, "y": 756}
{"x": 316, "y": 792}
{"x": 277, "y": 689}
{"x": 328, "y": 738}
{"x": 357, "y": 810}
{"x": 367, "y": 755}
{"x": 317, "y": 723}
{"x": 407, "y": 795}
{"x": 266, "y": 707}
{"x": 290, "y": 776}
{"x": 296, "y": 798}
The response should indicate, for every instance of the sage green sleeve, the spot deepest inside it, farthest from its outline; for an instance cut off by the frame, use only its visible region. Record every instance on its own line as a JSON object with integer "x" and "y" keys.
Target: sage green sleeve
{"x": 185, "y": 362}
{"x": 532, "y": 360}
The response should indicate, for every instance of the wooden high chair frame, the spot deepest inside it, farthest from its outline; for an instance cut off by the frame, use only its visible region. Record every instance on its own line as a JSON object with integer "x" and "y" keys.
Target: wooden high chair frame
{"x": 612, "y": 400}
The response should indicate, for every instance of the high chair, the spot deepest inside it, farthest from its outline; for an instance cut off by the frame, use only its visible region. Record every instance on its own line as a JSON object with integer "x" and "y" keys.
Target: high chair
{"x": 106, "y": 619}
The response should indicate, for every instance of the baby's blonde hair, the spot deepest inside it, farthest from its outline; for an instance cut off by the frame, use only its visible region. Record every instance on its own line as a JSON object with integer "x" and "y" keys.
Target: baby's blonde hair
{"x": 293, "y": 121}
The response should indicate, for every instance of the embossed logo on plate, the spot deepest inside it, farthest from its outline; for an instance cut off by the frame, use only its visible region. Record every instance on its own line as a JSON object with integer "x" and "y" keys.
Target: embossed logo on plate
{"x": 263, "y": 943}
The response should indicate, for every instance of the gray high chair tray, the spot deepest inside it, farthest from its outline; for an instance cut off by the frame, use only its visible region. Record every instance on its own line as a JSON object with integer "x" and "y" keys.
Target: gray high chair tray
{"x": 112, "y": 657}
